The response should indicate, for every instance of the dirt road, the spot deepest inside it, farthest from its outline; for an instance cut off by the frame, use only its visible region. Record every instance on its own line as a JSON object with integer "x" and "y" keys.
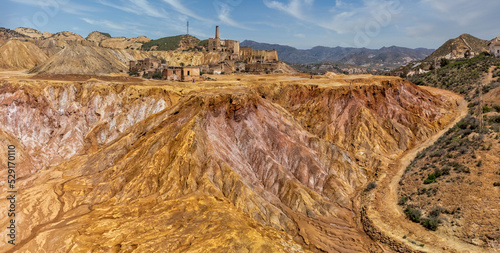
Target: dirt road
{"x": 387, "y": 217}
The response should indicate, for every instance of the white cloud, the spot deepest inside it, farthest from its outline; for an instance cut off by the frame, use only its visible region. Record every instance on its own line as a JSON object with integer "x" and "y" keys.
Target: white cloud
{"x": 107, "y": 24}
{"x": 139, "y": 7}
{"x": 294, "y": 8}
{"x": 52, "y": 7}
{"x": 372, "y": 15}
{"x": 179, "y": 7}
{"x": 461, "y": 12}
{"x": 224, "y": 15}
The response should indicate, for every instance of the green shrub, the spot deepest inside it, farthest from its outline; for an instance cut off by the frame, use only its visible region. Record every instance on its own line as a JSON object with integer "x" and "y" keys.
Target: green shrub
{"x": 402, "y": 200}
{"x": 494, "y": 119}
{"x": 496, "y": 107}
{"x": 486, "y": 109}
{"x": 435, "y": 211}
{"x": 413, "y": 214}
{"x": 134, "y": 73}
{"x": 431, "y": 178}
{"x": 157, "y": 75}
{"x": 438, "y": 173}
{"x": 431, "y": 223}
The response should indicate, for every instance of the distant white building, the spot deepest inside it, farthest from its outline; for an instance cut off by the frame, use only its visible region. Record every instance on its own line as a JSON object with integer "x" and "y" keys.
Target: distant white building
{"x": 495, "y": 46}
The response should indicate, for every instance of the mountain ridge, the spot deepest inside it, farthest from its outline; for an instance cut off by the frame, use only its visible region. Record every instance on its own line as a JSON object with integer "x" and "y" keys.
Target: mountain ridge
{"x": 383, "y": 58}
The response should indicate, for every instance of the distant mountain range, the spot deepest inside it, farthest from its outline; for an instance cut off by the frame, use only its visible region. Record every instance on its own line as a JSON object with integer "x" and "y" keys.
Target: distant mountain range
{"x": 383, "y": 59}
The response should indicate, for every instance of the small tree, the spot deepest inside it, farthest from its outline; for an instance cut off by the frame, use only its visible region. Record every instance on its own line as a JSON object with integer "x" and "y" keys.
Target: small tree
{"x": 157, "y": 75}
{"x": 413, "y": 214}
{"x": 444, "y": 62}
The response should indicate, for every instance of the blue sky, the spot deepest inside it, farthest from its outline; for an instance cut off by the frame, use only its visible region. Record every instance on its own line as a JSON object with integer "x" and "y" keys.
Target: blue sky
{"x": 298, "y": 23}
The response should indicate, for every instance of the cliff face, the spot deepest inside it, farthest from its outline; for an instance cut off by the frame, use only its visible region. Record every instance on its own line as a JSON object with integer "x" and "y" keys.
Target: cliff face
{"x": 74, "y": 118}
{"x": 258, "y": 165}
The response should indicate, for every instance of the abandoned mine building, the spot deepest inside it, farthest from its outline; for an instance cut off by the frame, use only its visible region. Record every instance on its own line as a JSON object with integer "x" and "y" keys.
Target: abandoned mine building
{"x": 235, "y": 58}
{"x": 152, "y": 66}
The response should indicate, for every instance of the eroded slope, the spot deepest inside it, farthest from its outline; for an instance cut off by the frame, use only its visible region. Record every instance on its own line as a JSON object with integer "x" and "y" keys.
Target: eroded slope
{"x": 229, "y": 167}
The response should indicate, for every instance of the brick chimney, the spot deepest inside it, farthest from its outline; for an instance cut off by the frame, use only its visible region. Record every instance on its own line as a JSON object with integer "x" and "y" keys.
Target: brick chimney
{"x": 217, "y": 32}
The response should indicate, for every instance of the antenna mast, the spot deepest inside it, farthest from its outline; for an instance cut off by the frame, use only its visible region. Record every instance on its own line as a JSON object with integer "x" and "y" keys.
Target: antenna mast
{"x": 188, "y": 27}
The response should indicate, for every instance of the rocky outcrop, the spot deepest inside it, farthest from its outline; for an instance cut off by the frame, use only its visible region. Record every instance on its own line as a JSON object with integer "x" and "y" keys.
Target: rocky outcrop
{"x": 97, "y": 37}
{"x": 104, "y": 40}
{"x": 67, "y": 36}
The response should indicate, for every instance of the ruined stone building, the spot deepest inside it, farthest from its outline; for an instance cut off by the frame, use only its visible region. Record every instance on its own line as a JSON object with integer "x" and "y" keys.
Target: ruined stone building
{"x": 150, "y": 66}
{"x": 245, "y": 54}
{"x": 188, "y": 73}
{"x": 249, "y": 55}
{"x": 495, "y": 46}
{"x": 218, "y": 45}
{"x": 145, "y": 65}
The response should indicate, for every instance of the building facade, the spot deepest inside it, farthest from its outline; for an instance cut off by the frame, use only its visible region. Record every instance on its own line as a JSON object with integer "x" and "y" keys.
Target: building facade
{"x": 495, "y": 46}
{"x": 232, "y": 47}
{"x": 249, "y": 55}
{"x": 185, "y": 74}
{"x": 151, "y": 66}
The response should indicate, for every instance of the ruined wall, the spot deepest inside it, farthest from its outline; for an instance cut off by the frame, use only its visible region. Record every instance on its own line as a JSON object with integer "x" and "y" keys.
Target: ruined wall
{"x": 249, "y": 55}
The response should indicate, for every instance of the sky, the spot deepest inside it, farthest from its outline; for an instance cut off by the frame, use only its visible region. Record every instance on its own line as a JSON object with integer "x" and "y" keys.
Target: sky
{"x": 299, "y": 23}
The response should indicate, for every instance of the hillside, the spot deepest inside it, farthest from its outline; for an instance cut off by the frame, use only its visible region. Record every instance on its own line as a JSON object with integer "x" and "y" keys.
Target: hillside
{"x": 443, "y": 186}
{"x": 181, "y": 42}
{"x": 460, "y": 75}
{"x": 242, "y": 164}
{"x": 459, "y": 47}
{"x": 97, "y": 36}
{"x": 16, "y": 55}
{"x": 82, "y": 60}
{"x": 381, "y": 59}
{"x": 324, "y": 67}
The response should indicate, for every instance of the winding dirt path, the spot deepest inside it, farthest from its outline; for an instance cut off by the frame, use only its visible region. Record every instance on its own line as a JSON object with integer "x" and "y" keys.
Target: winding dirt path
{"x": 387, "y": 217}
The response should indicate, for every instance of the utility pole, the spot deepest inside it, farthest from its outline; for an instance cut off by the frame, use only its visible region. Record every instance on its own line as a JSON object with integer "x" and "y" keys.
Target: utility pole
{"x": 187, "y": 27}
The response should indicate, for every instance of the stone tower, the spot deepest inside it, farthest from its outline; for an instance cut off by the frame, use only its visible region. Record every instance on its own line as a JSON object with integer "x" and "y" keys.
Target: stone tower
{"x": 216, "y": 32}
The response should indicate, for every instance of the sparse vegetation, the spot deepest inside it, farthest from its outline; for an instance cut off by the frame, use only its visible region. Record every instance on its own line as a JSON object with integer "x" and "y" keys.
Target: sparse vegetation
{"x": 170, "y": 43}
{"x": 431, "y": 178}
{"x": 459, "y": 155}
{"x": 157, "y": 75}
{"x": 402, "y": 200}
{"x": 371, "y": 186}
{"x": 431, "y": 223}
{"x": 413, "y": 214}
{"x": 461, "y": 75}
{"x": 133, "y": 73}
